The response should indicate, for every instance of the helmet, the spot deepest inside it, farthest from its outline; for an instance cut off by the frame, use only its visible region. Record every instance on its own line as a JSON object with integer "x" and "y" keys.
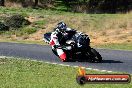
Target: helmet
{"x": 61, "y": 26}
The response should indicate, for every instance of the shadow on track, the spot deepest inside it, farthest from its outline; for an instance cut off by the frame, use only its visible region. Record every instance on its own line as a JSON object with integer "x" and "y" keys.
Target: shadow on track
{"x": 111, "y": 61}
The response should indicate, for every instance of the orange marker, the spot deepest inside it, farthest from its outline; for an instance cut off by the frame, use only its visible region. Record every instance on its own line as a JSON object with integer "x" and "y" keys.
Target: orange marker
{"x": 82, "y": 71}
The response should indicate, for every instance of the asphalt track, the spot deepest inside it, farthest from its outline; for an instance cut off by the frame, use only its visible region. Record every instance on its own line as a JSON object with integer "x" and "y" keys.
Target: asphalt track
{"x": 113, "y": 60}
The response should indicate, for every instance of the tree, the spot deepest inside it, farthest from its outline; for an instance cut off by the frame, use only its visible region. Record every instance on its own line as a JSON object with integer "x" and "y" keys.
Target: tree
{"x": 36, "y": 3}
{"x": 2, "y": 2}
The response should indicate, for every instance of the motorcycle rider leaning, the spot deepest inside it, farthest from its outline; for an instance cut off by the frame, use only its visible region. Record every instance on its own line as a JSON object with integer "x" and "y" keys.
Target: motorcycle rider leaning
{"x": 61, "y": 29}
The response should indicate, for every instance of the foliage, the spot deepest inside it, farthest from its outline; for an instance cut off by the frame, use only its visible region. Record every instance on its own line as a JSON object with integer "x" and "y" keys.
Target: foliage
{"x": 88, "y": 6}
{"x": 16, "y": 21}
{"x": 3, "y": 27}
{"x": 2, "y": 2}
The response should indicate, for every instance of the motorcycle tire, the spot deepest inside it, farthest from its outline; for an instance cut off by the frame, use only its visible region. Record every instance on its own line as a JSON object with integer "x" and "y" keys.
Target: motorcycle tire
{"x": 54, "y": 51}
{"x": 97, "y": 57}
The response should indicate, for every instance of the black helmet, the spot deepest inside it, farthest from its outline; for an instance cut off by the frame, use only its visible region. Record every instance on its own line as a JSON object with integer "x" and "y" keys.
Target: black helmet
{"x": 61, "y": 26}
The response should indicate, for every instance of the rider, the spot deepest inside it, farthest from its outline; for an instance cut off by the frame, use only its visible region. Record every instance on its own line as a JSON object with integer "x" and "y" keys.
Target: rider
{"x": 61, "y": 29}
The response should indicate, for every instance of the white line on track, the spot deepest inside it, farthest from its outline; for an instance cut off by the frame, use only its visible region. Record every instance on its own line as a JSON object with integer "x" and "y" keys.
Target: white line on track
{"x": 103, "y": 70}
{"x": 79, "y": 66}
{"x": 89, "y": 68}
{"x": 109, "y": 71}
{"x": 75, "y": 66}
{"x": 54, "y": 63}
{"x": 67, "y": 65}
{"x": 48, "y": 62}
{"x": 63, "y": 65}
{"x": 96, "y": 69}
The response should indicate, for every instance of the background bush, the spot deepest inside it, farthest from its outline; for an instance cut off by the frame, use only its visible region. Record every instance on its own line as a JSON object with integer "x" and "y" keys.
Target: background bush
{"x": 16, "y": 21}
{"x": 87, "y": 6}
{"x": 3, "y": 27}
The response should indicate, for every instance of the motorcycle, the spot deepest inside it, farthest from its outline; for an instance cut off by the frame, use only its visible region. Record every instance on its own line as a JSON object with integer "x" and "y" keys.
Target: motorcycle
{"x": 77, "y": 47}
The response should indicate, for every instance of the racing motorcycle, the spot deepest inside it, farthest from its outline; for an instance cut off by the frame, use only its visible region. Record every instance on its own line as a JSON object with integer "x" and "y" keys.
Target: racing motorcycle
{"x": 76, "y": 46}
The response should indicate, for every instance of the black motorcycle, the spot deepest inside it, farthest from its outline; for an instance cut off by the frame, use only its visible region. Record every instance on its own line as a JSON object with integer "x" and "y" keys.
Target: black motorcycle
{"x": 76, "y": 46}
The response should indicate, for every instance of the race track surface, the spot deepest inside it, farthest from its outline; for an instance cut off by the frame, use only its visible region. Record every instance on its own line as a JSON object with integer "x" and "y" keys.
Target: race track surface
{"x": 113, "y": 60}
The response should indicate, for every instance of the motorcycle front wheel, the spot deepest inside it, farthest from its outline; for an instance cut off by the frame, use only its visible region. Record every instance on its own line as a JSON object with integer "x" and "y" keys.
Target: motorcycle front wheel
{"x": 95, "y": 56}
{"x": 68, "y": 59}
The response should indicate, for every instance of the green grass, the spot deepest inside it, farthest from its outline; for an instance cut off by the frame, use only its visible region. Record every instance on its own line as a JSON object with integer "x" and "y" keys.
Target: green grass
{"x": 39, "y": 23}
{"x": 24, "y": 42}
{"x": 116, "y": 46}
{"x": 28, "y": 30}
{"x": 18, "y": 32}
{"x": 20, "y": 73}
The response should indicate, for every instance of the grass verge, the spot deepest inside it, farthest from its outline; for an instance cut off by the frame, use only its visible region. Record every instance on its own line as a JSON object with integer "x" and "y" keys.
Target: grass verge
{"x": 116, "y": 46}
{"x": 24, "y": 42}
{"x": 20, "y": 73}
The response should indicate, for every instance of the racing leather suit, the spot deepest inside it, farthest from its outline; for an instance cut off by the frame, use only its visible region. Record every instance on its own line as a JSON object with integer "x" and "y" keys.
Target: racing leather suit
{"x": 54, "y": 41}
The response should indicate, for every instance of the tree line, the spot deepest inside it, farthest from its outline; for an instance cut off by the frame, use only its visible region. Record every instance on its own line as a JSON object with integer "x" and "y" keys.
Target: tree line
{"x": 85, "y": 6}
